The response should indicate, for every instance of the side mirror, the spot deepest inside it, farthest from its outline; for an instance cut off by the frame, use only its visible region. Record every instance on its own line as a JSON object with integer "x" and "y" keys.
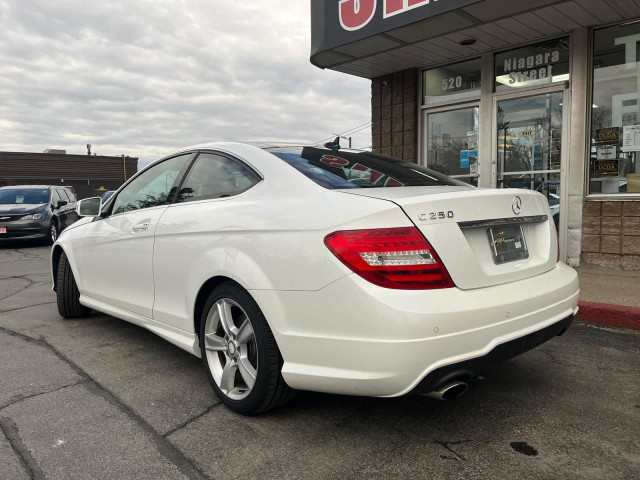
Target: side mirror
{"x": 89, "y": 207}
{"x": 61, "y": 203}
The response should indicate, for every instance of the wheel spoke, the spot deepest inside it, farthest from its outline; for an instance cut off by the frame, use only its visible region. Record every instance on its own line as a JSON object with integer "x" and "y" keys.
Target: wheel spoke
{"x": 226, "y": 318}
{"x": 215, "y": 343}
{"x": 245, "y": 332}
{"x": 247, "y": 371}
{"x": 228, "y": 378}
{"x": 230, "y": 346}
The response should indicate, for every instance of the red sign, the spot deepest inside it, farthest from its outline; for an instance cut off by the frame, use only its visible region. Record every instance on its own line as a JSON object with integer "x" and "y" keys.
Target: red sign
{"x": 373, "y": 175}
{"x": 335, "y": 23}
{"x": 355, "y": 14}
{"x": 393, "y": 7}
{"x": 333, "y": 161}
{"x": 392, "y": 182}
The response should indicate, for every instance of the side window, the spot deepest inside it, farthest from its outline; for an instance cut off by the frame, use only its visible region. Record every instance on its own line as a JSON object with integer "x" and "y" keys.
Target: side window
{"x": 70, "y": 195}
{"x": 64, "y": 195}
{"x": 215, "y": 176}
{"x": 55, "y": 196}
{"x": 152, "y": 188}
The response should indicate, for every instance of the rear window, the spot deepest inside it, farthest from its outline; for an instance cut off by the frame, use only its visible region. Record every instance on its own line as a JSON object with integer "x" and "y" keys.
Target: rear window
{"x": 349, "y": 169}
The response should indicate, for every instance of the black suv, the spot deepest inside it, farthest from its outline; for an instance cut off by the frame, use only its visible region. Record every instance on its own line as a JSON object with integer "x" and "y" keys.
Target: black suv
{"x": 35, "y": 211}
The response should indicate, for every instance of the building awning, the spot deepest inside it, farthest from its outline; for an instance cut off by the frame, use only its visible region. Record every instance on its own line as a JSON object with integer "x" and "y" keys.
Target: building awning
{"x": 370, "y": 38}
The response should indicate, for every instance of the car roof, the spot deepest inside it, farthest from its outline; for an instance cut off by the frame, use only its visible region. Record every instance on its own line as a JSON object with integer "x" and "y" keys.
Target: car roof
{"x": 238, "y": 148}
{"x": 265, "y": 145}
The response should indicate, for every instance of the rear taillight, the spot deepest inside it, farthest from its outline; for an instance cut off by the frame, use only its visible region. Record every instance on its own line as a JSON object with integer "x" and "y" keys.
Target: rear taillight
{"x": 399, "y": 258}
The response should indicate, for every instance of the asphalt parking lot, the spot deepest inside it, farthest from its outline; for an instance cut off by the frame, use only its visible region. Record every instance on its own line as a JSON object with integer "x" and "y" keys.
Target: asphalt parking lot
{"x": 100, "y": 398}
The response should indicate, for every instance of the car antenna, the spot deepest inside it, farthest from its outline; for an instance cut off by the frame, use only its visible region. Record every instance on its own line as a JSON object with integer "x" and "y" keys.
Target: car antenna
{"x": 335, "y": 145}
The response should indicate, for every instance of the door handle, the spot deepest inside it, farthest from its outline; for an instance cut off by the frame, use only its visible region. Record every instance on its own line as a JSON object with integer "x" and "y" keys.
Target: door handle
{"x": 140, "y": 227}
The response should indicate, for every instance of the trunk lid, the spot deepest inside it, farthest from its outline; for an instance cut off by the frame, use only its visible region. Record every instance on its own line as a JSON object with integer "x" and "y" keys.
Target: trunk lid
{"x": 456, "y": 222}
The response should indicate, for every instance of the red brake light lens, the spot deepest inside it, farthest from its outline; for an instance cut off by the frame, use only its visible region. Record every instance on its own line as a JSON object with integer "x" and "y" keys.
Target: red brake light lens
{"x": 398, "y": 258}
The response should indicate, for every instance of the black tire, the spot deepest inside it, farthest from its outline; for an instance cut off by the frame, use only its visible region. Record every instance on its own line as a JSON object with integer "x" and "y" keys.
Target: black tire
{"x": 67, "y": 292}
{"x": 270, "y": 390}
{"x": 52, "y": 236}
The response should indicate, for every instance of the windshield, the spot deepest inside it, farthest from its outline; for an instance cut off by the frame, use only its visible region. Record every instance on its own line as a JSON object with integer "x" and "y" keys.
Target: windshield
{"x": 342, "y": 169}
{"x": 27, "y": 196}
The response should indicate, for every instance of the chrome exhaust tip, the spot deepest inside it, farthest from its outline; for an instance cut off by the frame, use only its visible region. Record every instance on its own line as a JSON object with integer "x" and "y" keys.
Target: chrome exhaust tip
{"x": 448, "y": 392}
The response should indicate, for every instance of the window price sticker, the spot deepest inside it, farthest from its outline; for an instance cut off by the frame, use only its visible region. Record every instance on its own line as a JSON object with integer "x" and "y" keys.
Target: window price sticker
{"x": 631, "y": 138}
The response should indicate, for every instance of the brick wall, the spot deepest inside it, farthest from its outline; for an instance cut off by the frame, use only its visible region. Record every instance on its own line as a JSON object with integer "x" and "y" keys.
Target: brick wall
{"x": 394, "y": 115}
{"x": 611, "y": 234}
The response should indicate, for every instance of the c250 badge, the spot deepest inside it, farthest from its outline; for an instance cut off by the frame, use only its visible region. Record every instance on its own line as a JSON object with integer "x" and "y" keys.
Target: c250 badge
{"x": 436, "y": 215}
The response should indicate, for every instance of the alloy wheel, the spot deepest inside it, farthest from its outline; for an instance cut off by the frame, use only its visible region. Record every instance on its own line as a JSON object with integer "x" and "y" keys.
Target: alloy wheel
{"x": 53, "y": 231}
{"x": 231, "y": 349}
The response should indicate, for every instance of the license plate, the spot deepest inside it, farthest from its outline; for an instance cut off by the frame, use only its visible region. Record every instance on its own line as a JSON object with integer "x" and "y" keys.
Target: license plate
{"x": 507, "y": 243}
{"x": 3, "y": 230}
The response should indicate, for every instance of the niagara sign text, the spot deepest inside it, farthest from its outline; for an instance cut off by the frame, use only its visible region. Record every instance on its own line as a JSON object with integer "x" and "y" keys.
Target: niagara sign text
{"x": 532, "y": 67}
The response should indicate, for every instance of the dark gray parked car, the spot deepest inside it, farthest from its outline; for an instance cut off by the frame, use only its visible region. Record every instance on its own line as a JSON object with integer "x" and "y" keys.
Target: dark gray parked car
{"x": 35, "y": 212}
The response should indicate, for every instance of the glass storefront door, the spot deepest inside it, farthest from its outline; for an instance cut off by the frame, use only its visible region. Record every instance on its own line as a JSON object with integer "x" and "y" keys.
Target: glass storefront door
{"x": 452, "y": 142}
{"x": 529, "y": 150}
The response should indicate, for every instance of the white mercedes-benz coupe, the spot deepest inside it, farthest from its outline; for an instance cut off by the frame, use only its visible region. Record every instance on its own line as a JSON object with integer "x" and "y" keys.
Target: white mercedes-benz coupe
{"x": 316, "y": 268}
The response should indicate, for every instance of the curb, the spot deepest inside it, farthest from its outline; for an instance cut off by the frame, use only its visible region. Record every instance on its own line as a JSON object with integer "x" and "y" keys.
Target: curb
{"x": 612, "y": 315}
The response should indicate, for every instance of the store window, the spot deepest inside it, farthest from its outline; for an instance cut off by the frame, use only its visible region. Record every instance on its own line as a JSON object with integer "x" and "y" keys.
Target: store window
{"x": 533, "y": 65}
{"x": 615, "y": 124}
{"x": 451, "y": 83}
{"x": 529, "y": 152}
{"x": 452, "y": 143}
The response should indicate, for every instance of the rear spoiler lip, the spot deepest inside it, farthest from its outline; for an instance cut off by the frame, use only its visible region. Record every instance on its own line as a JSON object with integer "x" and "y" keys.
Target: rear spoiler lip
{"x": 494, "y": 222}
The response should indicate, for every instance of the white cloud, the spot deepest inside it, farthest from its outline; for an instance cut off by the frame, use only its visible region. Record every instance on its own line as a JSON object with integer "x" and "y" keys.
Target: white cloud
{"x": 143, "y": 77}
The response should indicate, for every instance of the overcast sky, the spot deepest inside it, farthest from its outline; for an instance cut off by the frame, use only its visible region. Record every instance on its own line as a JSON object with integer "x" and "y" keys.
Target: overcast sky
{"x": 144, "y": 77}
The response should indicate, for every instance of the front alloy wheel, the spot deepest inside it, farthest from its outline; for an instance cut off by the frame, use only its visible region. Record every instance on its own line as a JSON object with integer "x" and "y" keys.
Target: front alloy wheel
{"x": 239, "y": 352}
{"x": 53, "y": 233}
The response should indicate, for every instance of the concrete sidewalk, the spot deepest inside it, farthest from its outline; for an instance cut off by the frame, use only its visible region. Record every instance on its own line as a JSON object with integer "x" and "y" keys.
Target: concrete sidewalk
{"x": 609, "y": 296}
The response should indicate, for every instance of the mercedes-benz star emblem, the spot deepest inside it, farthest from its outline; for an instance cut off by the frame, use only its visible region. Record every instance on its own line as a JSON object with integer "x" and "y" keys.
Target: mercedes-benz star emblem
{"x": 517, "y": 205}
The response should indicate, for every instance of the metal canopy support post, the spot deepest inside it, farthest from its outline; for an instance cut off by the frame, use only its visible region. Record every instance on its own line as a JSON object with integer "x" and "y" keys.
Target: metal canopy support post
{"x": 578, "y": 166}
{"x": 486, "y": 157}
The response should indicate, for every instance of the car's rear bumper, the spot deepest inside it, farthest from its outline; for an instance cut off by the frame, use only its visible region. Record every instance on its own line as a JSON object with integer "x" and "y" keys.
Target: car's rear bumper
{"x": 466, "y": 369}
{"x": 355, "y": 338}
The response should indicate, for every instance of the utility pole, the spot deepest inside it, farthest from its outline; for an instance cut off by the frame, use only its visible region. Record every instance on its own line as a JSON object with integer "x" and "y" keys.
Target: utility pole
{"x": 344, "y": 138}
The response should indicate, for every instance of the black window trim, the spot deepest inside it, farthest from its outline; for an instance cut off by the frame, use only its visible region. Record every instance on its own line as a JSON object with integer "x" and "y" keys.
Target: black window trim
{"x": 258, "y": 176}
{"x": 176, "y": 184}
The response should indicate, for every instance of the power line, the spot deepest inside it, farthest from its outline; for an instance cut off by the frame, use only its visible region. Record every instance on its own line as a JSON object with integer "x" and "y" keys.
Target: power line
{"x": 362, "y": 130}
{"x": 350, "y": 131}
{"x": 364, "y": 125}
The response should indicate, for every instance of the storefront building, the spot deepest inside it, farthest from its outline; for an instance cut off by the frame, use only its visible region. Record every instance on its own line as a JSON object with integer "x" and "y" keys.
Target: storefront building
{"x": 86, "y": 175}
{"x": 538, "y": 94}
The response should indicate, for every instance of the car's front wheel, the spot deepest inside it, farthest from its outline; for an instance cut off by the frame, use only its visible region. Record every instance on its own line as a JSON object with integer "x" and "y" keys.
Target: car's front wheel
{"x": 239, "y": 352}
{"x": 68, "y": 295}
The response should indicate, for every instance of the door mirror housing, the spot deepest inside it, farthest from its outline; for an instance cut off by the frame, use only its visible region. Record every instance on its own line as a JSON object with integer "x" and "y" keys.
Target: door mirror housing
{"x": 61, "y": 203}
{"x": 89, "y": 207}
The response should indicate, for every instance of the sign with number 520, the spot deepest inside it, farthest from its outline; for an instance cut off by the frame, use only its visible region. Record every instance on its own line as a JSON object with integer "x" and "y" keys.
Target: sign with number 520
{"x": 451, "y": 83}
